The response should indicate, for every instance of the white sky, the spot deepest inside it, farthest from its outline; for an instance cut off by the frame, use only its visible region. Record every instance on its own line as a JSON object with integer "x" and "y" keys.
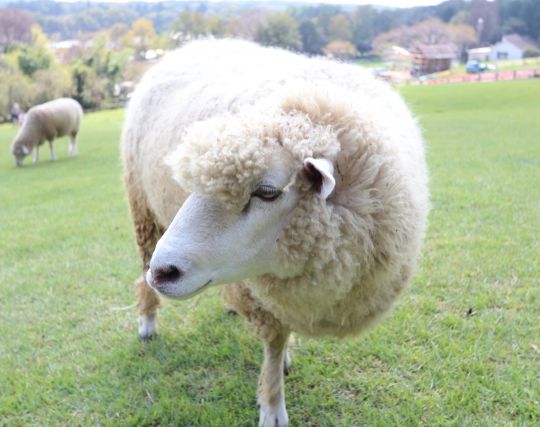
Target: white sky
{"x": 393, "y": 3}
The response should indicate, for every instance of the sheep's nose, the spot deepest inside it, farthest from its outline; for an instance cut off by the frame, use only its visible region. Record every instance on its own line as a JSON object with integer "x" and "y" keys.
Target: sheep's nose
{"x": 165, "y": 274}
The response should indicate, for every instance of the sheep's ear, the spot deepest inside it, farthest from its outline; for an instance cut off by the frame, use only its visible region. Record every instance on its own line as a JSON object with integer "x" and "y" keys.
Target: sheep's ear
{"x": 321, "y": 173}
{"x": 25, "y": 150}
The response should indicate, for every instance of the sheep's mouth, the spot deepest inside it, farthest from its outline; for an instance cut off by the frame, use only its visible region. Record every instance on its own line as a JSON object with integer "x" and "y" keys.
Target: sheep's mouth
{"x": 172, "y": 292}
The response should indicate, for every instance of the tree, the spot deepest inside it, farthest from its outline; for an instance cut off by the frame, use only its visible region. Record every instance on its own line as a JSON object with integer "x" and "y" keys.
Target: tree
{"x": 340, "y": 28}
{"x": 280, "y": 30}
{"x": 532, "y": 52}
{"x": 340, "y": 49}
{"x": 484, "y": 17}
{"x": 324, "y": 15}
{"x": 430, "y": 31}
{"x": 190, "y": 24}
{"x": 14, "y": 87}
{"x": 53, "y": 82}
{"x": 35, "y": 56}
{"x": 247, "y": 23}
{"x": 363, "y": 27}
{"x": 117, "y": 33}
{"x": 15, "y": 27}
{"x": 312, "y": 42}
{"x": 531, "y": 17}
{"x": 141, "y": 36}
{"x": 195, "y": 24}
{"x": 32, "y": 59}
{"x": 89, "y": 89}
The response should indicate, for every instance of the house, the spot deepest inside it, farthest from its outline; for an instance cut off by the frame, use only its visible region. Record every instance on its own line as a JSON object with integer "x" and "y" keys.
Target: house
{"x": 512, "y": 46}
{"x": 66, "y": 50}
{"x": 481, "y": 54}
{"x": 398, "y": 58}
{"x": 427, "y": 59}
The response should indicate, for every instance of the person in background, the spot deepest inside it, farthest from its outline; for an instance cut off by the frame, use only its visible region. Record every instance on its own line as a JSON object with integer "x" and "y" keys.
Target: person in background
{"x": 17, "y": 114}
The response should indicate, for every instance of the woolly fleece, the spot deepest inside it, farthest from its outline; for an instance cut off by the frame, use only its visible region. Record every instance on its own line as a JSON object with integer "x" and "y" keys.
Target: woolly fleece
{"x": 47, "y": 121}
{"x": 220, "y": 112}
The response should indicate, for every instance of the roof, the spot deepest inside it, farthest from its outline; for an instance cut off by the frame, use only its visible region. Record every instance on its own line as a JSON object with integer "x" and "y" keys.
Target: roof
{"x": 480, "y": 50}
{"x": 436, "y": 51}
{"x": 522, "y": 42}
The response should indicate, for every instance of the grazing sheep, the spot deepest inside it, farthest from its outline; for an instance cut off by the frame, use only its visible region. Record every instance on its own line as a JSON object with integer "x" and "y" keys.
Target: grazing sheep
{"x": 45, "y": 122}
{"x": 300, "y": 183}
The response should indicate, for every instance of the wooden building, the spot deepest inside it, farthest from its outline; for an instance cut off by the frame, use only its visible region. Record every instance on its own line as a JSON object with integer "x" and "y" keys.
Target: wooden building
{"x": 427, "y": 59}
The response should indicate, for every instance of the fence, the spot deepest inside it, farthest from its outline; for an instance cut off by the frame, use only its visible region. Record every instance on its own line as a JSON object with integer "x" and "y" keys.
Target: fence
{"x": 486, "y": 77}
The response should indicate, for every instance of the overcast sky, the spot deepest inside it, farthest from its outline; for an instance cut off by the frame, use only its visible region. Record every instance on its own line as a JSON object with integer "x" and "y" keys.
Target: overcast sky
{"x": 393, "y": 3}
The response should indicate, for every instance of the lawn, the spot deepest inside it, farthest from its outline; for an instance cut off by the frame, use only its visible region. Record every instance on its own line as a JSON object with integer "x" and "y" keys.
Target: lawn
{"x": 462, "y": 347}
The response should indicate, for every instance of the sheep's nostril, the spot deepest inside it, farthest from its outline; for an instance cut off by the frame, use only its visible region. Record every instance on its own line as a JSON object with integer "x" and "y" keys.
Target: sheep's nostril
{"x": 169, "y": 273}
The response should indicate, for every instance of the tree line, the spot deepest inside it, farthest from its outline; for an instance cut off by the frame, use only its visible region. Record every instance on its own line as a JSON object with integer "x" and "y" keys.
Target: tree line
{"x": 113, "y": 38}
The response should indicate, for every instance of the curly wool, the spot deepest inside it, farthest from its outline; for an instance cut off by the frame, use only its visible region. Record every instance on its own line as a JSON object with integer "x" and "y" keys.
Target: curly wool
{"x": 357, "y": 250}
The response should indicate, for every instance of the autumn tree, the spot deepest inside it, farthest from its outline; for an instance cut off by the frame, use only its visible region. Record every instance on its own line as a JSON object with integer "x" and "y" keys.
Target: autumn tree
{"x": 340, "y": 49}
{"x": 116, "y": 34}
{"x": 15, "y": 27}
{"x": 247, "y": 23}
{"x": 431, "y": 31}
{"x": 141, "y": 36}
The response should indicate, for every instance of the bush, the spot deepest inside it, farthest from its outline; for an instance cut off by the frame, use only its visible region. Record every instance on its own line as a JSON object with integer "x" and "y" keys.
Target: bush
{"x": 14, "y": 87}
{"x": 532, "y": 52}
{"x": 52, "y": 83}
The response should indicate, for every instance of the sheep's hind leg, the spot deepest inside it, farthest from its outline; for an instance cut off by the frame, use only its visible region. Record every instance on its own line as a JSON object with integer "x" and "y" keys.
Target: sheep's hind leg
{"x": 36, "y": 154}
{"x": 73, "y": 145}
{"x": 53, "y": 156}
{"x": 271, "y": 393}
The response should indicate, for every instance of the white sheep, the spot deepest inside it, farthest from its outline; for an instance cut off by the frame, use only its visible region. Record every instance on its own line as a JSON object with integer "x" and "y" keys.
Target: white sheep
{"x": 300, "y": 181}
{"x": 45, "y": 122}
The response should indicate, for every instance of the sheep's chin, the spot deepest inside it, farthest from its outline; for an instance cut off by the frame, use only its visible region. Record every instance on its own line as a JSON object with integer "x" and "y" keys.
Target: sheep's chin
{"x": 179, "y": 289}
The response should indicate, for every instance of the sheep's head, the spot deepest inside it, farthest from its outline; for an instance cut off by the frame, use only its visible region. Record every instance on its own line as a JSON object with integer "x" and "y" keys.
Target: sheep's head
{"x": 20, "y": 151}
{"x": 249, "y": 176}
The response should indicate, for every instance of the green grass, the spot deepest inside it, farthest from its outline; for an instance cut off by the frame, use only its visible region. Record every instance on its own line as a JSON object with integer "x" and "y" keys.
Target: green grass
{"x": 462, "y": 348}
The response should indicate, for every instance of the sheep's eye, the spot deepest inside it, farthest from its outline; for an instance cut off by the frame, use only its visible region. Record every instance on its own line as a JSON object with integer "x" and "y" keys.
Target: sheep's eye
{"x": 266, "y": 193}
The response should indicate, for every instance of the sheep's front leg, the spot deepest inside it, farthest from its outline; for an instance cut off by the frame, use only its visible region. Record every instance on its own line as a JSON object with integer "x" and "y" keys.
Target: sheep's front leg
{"x": 271, "y": 393}
{"x": 36, "y": 154}
{"x": 53, "y": 156}
{"x": 148, "y": 303}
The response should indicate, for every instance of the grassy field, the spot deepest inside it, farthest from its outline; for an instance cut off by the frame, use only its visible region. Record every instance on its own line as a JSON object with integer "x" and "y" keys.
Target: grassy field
{"x": 462, "y": 348}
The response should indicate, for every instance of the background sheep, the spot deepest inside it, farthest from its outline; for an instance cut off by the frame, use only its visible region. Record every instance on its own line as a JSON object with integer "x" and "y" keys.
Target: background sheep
{"x": 45, "y": 122}
{"x": 309, "y": 192}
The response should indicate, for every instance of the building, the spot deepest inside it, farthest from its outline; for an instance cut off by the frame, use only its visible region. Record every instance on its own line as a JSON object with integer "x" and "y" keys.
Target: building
{"x": 511, "y": 47}
{"x": 481, "y": 54}
{"x": 427, "y": 59}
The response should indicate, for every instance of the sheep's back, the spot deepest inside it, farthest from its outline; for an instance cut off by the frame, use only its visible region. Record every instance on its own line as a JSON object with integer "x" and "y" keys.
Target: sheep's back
{"x": 208, "y": 78}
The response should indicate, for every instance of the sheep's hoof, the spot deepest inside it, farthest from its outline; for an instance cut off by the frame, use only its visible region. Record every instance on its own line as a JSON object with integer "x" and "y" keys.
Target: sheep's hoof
{"x": 287, "y": 363}
{"x": 147, "y": 327}
{"x": 273, "y": 416}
